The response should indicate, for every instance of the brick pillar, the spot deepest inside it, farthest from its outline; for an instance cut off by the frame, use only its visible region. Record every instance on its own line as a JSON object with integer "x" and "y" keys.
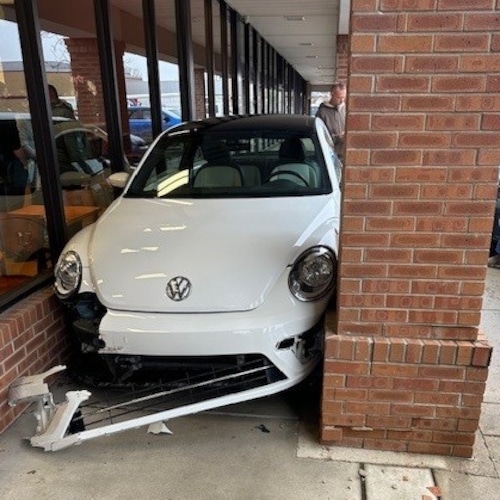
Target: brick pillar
{"x": 342, "y": 58}
{"x": 405, "y": 363}
{"x": 86, "y": 72}
{"x": 199, "y": 88}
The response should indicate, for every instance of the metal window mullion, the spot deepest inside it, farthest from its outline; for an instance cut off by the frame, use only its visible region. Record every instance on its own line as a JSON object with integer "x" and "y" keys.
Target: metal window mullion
{"x": 149, "y": 27}
{"x": 273, "y": 80}
{"x": 185, "y": 58}
{"x": 278, "y": 83}
{"x": 289, "y": 87}
{"x": 235, "y": 57}
{"x": 41, "y": 118}
{"x": 269, "y": 79}
{"x": 264, "y": 77}
{"x": 256, "y": 71}
{"x": 209, "y": 47}
{"x": 224, "y": 56}
{"x": 109, "y": 83}
{"x": 247, "y": 73}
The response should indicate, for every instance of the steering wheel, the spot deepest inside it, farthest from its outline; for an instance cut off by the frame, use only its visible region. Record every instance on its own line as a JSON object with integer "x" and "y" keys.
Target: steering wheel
{"x": 288, "y": 172}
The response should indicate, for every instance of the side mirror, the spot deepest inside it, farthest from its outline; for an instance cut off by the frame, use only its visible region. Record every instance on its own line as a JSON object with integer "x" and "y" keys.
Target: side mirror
{"x": 119, "y": 179}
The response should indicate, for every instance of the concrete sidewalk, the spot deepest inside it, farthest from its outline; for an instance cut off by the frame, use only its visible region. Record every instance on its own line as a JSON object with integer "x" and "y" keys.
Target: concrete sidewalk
{"x": 265, "y": 449}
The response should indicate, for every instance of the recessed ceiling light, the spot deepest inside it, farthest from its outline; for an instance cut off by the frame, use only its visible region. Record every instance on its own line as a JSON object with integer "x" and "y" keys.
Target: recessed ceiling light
{"x": 311, "y": 57}
{"x": 306, "y": 44}
{"x": 295, "y": 18}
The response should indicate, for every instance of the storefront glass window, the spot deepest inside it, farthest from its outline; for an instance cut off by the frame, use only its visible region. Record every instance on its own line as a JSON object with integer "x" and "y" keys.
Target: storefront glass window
{"x": 24, "y": 245}
{"x": 82, "y": 154}
{"x": 81, "y": 149}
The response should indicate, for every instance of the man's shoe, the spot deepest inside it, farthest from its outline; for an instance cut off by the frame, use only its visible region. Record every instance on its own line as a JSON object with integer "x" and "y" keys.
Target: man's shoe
{"x": 494, "y": 261}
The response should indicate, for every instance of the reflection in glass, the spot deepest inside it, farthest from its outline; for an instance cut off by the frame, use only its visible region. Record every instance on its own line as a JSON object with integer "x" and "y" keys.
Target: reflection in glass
{"x": 24, "y": 245}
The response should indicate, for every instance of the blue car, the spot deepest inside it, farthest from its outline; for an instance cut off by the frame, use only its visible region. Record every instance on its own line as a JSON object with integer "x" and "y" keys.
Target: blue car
{"x": 139, "y": 118}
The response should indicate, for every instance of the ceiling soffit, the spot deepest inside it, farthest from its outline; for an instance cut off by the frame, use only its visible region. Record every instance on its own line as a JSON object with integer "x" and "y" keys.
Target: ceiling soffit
{"x": 304, "y": 32}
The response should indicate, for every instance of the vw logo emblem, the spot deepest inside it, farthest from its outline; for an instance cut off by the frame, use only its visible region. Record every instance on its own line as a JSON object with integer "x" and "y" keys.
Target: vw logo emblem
{"x": 178, "y": 288}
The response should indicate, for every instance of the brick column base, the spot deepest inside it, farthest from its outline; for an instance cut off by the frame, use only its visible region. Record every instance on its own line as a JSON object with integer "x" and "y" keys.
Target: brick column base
{"x": 411, "y": 395}
{"x": 33, "y": 338}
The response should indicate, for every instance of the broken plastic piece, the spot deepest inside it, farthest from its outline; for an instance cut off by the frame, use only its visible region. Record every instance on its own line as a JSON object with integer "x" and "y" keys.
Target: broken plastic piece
{"x": 159, "y": 428}
{"x": 60, "y": 420}
{"x": 29, "y": 388}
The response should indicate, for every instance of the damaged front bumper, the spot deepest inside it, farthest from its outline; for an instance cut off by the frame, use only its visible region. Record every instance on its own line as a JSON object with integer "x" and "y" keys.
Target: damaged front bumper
{"x": 73, "y": 422}
{"x": 129, "y": 341}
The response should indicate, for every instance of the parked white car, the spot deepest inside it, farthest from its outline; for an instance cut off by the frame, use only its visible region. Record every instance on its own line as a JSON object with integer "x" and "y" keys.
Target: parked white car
{"x": 218, "y": 260}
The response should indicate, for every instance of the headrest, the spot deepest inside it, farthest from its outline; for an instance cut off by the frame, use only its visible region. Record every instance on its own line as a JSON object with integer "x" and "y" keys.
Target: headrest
{"x": 292, "y": 150}
{"x": 216, "y": 152}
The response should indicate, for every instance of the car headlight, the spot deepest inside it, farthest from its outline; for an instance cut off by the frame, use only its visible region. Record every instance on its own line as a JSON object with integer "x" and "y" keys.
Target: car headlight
{"x": 68, "y": 274}
{"x": 313, "y": 275}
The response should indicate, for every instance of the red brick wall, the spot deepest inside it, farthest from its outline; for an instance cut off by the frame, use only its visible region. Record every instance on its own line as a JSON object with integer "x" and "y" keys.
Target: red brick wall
{"x": 199, "y": 89}
{"x": 32, "y": 339}
{"x": 419, "y": 188}
{"x": 86, "y": 72}
{"x": 342, "y": 58}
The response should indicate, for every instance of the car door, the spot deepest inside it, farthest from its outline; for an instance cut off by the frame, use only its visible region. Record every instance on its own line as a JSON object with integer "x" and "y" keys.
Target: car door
{"x": 140, "y": 123}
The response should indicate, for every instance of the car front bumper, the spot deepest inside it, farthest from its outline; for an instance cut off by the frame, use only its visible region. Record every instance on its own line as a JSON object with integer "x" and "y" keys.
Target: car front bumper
{"x": 291, "y": 339}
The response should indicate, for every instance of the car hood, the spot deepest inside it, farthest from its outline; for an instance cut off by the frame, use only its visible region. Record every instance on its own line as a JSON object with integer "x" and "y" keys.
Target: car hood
{"x": 231, "y": 251}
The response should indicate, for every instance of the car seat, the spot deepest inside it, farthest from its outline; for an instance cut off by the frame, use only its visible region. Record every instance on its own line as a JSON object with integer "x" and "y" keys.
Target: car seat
{"x": 219, "y": 170}
{"x": 292, "y": 164}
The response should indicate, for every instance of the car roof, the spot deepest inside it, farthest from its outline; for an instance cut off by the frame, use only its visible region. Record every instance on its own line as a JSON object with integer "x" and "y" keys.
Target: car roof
{"x": 13, "y": 115}
{"x": 234, "y": 123}
{"x": 141, "y": 107}
{"x": 16, "y": 115}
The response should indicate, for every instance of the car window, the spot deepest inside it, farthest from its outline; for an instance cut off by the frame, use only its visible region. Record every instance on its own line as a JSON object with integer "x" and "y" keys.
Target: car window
{"x": 162, "y": 170}
{"x": 237, "y": 165}
{"x": 174, "y": 114}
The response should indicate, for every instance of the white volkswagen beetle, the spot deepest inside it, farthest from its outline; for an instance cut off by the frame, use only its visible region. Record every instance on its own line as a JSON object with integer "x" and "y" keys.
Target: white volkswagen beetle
{"x": 218, "y": 259}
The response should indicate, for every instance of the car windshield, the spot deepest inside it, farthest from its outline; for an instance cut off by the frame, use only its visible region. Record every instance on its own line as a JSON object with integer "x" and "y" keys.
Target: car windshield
{"x": 242, "y": 164}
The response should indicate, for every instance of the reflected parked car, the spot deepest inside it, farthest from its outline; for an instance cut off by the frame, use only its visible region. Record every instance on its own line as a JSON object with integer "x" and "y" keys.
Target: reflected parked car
{"x": 219, "y": 259}
{"x": 140, "y": 121}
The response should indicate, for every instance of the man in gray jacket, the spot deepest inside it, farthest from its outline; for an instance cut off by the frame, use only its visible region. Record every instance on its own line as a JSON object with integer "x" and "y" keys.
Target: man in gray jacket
{"x": 333, "y": 114}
